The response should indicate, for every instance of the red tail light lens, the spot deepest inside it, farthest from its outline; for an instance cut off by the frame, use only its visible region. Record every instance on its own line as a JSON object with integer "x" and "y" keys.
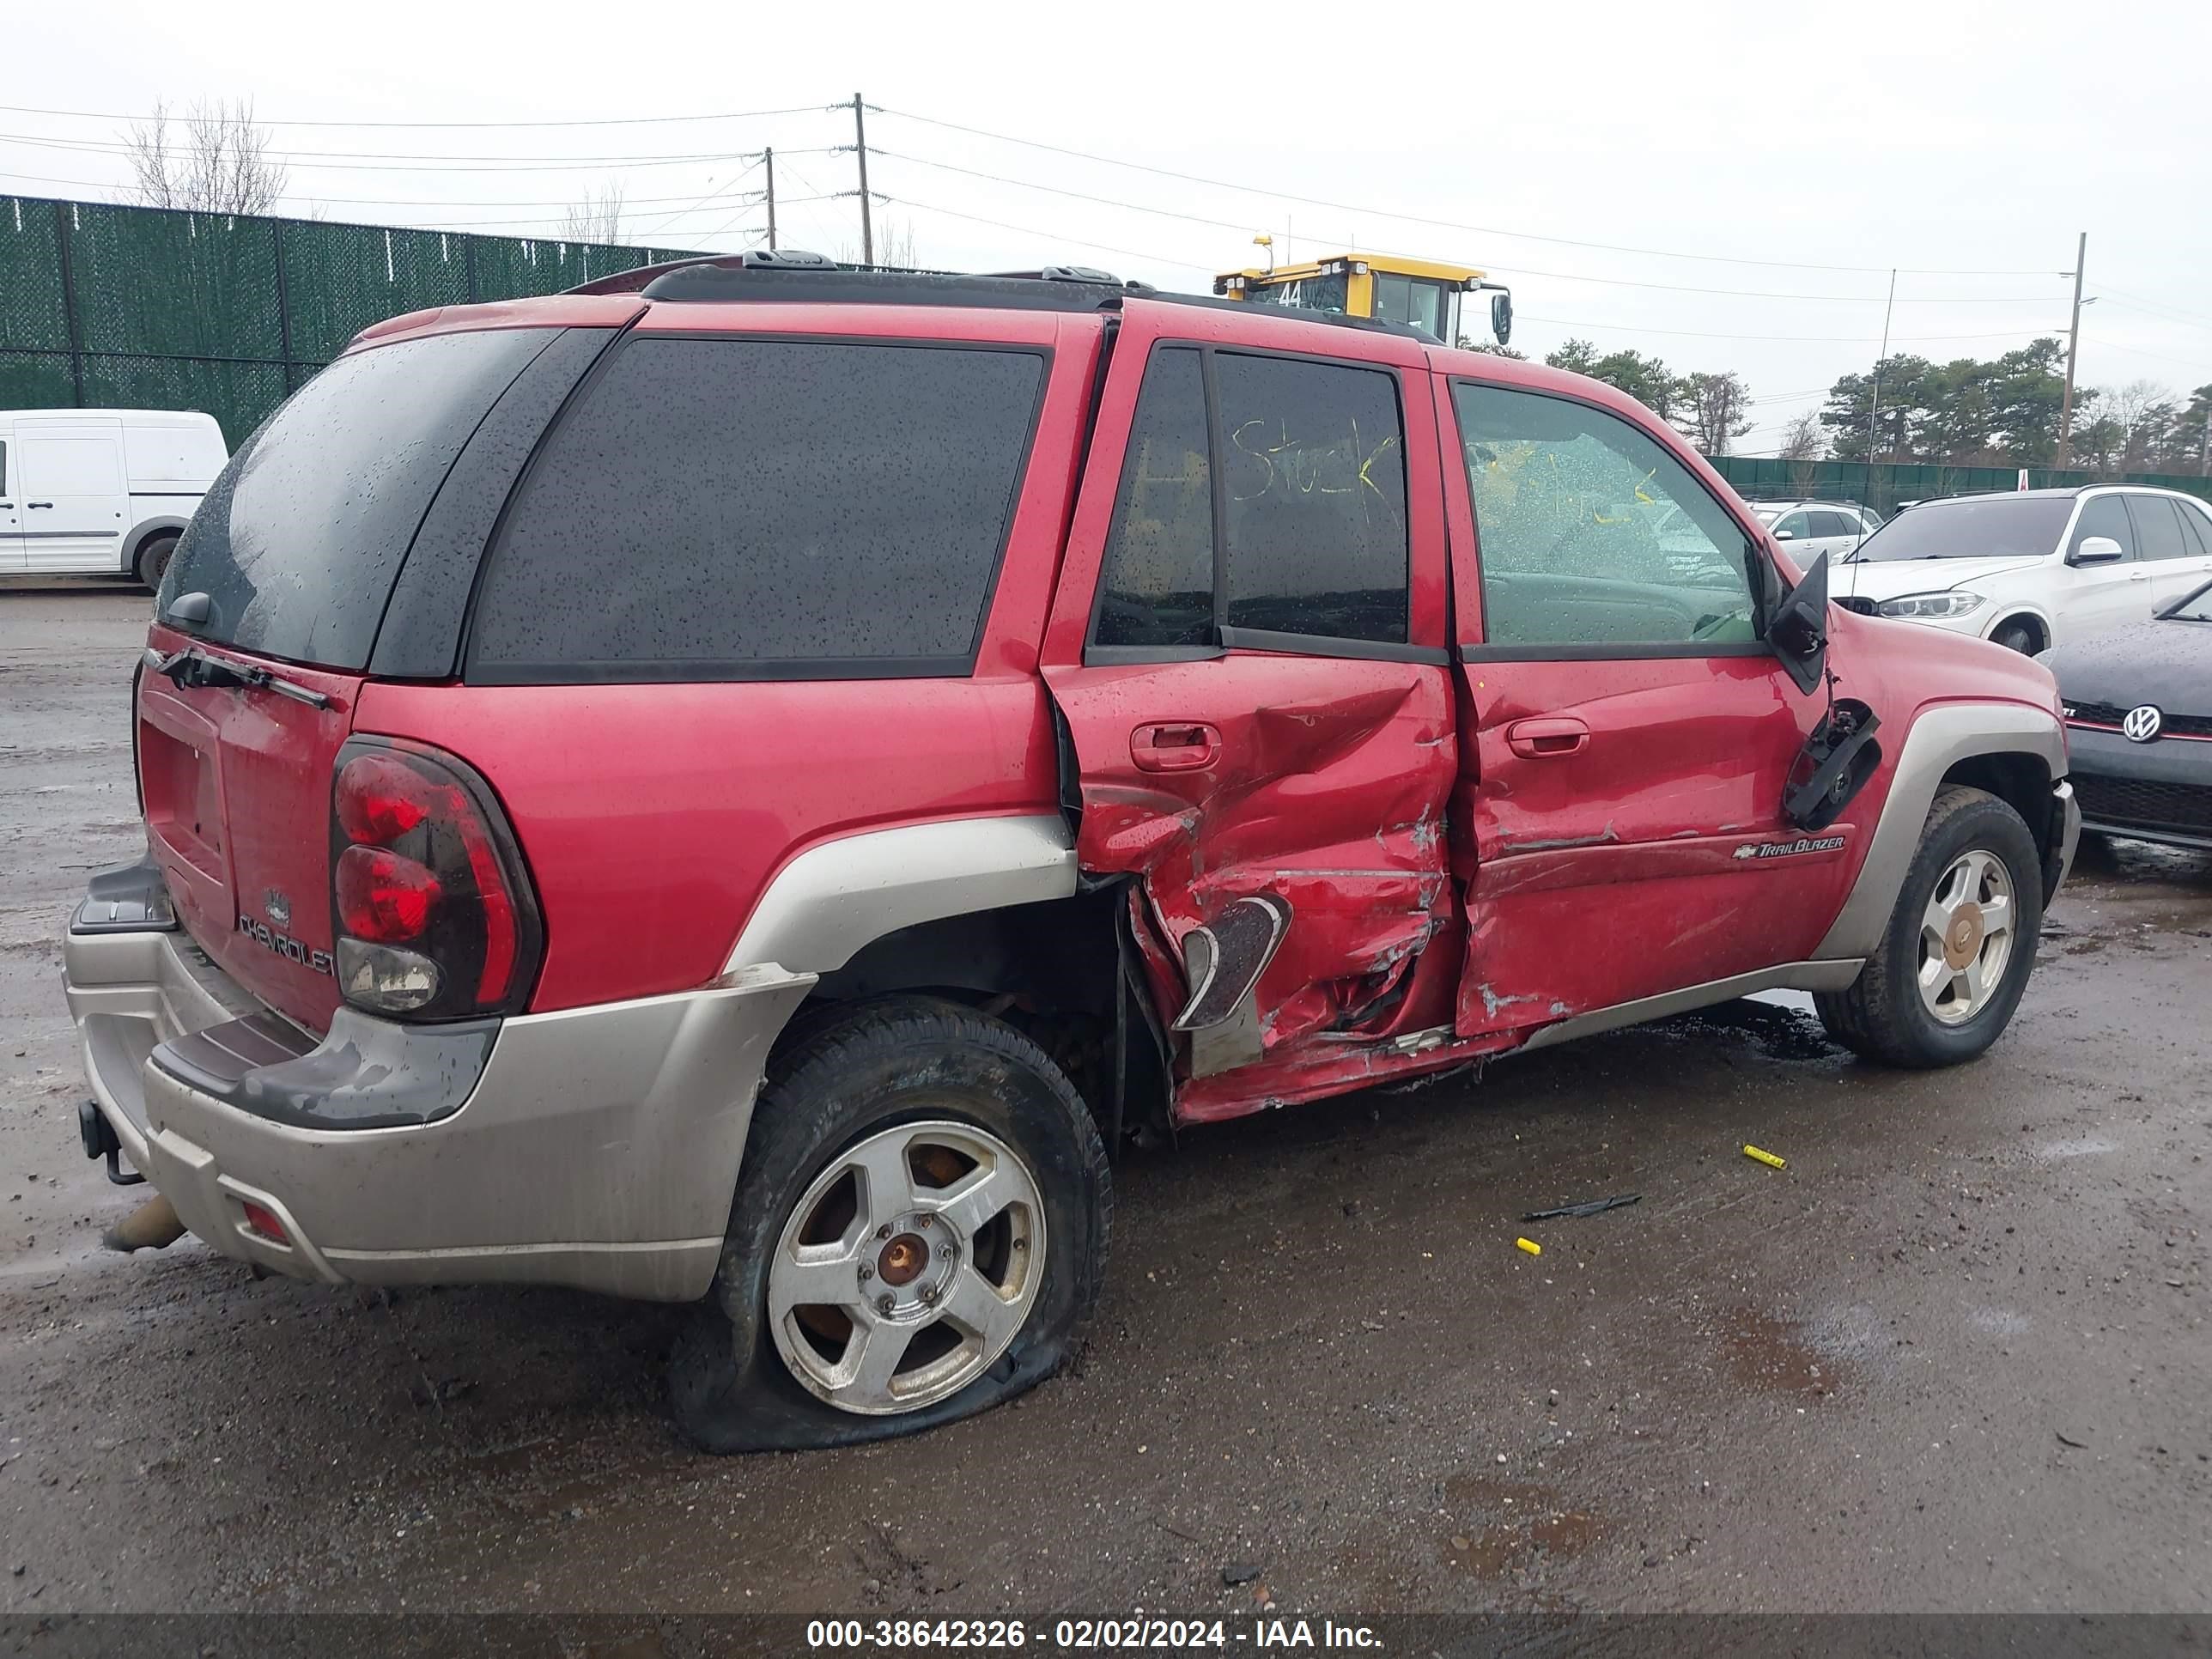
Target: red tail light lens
{"x": 435, "y": 917}
{"x": 380, "y": 798}
{"x": 383, "y": 897}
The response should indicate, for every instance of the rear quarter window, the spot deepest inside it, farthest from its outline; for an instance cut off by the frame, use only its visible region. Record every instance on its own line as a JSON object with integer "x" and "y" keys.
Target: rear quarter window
{"x": 299, "y": 538}
{"x": 751, "y": 508}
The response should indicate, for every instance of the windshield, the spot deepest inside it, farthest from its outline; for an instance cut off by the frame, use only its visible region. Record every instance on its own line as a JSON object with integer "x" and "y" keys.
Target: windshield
{"x": 2191, "y": 607}
{"x": 1313, "y": 293}
{"x": 1973, "y": 527}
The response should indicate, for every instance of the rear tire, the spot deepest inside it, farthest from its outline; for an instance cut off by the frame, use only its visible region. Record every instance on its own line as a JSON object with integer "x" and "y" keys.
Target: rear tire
{"x": 847, "y": 1124}
{"x": 1955, "y": 957}
{"x": 153, "y": 561}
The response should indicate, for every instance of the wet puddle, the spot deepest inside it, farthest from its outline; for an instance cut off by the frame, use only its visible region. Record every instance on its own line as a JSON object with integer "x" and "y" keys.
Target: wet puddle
{"x": 1510, "y": 1526}
{"x": 1771, "y": 1354}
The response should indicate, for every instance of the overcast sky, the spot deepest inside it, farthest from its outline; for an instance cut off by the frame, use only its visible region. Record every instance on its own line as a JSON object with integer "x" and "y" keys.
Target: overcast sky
{"x": 1798, "y": 152}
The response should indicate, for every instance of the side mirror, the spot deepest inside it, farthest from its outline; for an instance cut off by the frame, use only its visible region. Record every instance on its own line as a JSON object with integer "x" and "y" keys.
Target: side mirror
{"x": 1501, "y": 317}
{"x": 189, "y": 611}
{"x": 1798, "y": 629}
{"x": 1785, "y": 535}
{"x": 2097, "y": 550}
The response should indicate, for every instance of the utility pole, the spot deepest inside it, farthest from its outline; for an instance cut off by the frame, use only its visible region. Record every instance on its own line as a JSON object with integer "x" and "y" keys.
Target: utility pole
{"x": 768, "y": 156}
{"x": 1873, "y": 404}
{"x": 861, "y": 142}
{"x": 2073, "y": 345}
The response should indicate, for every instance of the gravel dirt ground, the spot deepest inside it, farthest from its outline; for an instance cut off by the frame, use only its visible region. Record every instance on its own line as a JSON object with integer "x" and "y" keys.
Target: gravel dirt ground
{"x": 1954, "y": 1356}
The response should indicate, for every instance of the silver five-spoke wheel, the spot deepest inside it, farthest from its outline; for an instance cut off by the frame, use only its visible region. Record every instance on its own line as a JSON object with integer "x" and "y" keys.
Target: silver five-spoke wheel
{"x": 907, "y": 1268}
{"x": 1967, "y": 937}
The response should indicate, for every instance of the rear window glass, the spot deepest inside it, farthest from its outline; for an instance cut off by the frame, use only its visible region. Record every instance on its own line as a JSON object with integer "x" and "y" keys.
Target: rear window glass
{"x": 299, "y": 540}
{"x": 758, "y": 508}
{"x": 1973, "y": 527}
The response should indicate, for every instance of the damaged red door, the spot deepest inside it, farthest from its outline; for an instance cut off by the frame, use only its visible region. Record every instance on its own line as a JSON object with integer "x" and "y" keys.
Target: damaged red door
{"x": 1247, "y": 652}
{"x": 1627, "y": 733}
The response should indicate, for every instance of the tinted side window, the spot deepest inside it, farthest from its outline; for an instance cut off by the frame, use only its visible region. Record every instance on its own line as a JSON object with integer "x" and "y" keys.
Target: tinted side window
{"x": 1313, "y": 473}
{"x": 1831, "y": 523}
{"x": 1158, "y": 579}
{"x": 741, "y": 508}
{"x": 1795, "y": 525}
{"x": 1589, "y": 533}
{"x": 2196, "y": 528}
{"x": 2158, "y": 531}
{"x": 2104, "y": 515}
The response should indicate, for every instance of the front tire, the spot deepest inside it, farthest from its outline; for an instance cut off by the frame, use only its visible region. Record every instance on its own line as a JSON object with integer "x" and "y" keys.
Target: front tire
{"x": 2017, "y": 636}
{"x": 1955, "y": 959}
{"x": 919, "y": 1233}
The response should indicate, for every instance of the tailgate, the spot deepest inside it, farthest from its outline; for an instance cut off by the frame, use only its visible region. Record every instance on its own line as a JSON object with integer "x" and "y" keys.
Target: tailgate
{"x": 237, "y": 781}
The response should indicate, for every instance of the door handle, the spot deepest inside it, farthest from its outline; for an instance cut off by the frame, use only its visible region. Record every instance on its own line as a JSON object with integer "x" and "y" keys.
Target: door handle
{"x": 38, "y": 503}
{"x": 2133, "y": 575}
{"x": 1175, "y": 746}
{"x": 1546, "y": 739}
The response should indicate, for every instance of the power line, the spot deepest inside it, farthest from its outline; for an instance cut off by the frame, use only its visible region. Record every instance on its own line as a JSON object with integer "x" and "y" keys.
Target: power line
{"x": 1026, "y": 230}
{"x": 2151, "y": 356}
{"x": 2175, "y": 319}
{"x": 1816, "y": 339}
{"x": 2157, "y": 307}
{"x": 376, "y": 201}
{"x": 710, "y": 196}
{"x": 410, "y": 162}
{"x": 518, "y": 166}
{"x": 1409, "y": 218}
{"x": 597, "y": 121}
{"x": 1523, "y": 271}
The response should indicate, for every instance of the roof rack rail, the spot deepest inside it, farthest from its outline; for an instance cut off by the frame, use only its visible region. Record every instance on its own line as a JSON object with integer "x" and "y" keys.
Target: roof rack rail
{"x": 792, "y": 277}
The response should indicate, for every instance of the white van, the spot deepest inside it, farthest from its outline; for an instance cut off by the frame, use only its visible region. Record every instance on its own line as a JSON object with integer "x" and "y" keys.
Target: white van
{"x": 102, "y": 491}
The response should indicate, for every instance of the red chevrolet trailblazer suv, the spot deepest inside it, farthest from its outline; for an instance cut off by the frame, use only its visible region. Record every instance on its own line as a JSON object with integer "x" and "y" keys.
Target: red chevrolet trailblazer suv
{"x": 745, "y": 782}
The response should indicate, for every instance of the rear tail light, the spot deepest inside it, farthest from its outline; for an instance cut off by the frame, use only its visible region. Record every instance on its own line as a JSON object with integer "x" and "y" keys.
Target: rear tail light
{"x": 432, "y": 908}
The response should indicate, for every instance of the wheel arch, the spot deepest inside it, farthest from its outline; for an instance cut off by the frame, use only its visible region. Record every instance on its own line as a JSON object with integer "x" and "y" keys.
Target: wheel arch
{"x": 2021, "y": 610}
{"x": 988, "y": 912}
{"x": 2016, "y": 751}
{"x": 146, "y": 529}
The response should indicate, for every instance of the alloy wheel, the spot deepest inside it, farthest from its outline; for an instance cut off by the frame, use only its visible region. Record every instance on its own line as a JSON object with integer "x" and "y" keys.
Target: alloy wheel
{"x": 906, "y": 1267}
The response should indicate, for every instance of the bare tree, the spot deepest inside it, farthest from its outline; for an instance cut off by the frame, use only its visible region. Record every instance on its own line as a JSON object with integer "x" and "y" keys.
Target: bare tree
{"x": 895, "y": 245}
{"x": 213, "y": 160}
{"x": 1804, "y": 439}
{"x": 1715, "y": 410}
{"x": 598, "y": 217}
{"x": 2143, "y": 409}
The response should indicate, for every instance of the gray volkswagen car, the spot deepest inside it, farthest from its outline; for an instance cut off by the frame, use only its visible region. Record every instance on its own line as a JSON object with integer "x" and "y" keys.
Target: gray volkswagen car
{"x": 2138, "y": 707}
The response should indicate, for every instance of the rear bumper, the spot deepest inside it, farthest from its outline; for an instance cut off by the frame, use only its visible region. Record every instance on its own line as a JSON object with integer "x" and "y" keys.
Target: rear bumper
{"x": 597, "y": 1147}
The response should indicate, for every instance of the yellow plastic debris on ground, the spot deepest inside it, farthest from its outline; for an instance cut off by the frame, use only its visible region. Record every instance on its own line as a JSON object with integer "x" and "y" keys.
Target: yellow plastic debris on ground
{"x": 1767, "y": 1159}
{"x": 1530, "y": 1245}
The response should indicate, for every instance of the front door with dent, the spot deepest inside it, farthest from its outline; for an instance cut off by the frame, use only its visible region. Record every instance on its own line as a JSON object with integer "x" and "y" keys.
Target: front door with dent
{"x": 1247, "y": 653}
{"x": 1628, "y": 734}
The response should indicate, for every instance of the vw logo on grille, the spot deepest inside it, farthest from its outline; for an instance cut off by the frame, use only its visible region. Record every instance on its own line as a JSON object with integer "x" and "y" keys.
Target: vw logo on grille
{"x": 2141, "y": 724}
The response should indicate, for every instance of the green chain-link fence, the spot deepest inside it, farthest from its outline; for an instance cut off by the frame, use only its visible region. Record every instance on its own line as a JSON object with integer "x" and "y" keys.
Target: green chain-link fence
{"x": 1885, "y": 483}
{"x": 151, "y": 308}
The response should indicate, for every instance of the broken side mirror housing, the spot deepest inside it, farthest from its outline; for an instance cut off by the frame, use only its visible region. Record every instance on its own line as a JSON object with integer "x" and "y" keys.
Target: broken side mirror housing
{"x": 1797, "y": 628}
